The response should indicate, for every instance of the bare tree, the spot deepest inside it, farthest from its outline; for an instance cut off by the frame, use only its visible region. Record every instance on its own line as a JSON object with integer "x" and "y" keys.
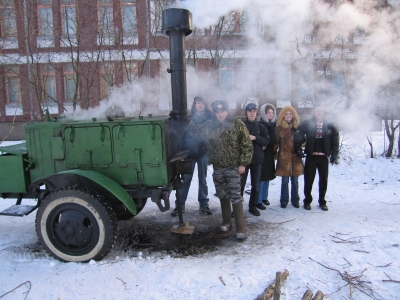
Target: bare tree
{"x": 387, "y": 102}
{"x": 371, "y": 146}
{"x": 387, "y": 110}
{"x": 398, "y": 141}
{"x": 218, "y": 48}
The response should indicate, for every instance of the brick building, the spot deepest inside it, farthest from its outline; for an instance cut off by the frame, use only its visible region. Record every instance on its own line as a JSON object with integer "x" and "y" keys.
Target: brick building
{"x": 68, "y": 54}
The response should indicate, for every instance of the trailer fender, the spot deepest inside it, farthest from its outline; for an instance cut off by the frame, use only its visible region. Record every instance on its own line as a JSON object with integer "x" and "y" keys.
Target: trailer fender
{"x": 109, "y": 184}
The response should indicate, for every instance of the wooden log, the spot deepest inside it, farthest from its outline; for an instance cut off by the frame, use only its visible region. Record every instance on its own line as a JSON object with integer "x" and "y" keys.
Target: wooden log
{"x": 318, "y": 296}
{"x": 269, "y": 291}
{"x": 307, "y": 295}
{"x": 278, "y": 283}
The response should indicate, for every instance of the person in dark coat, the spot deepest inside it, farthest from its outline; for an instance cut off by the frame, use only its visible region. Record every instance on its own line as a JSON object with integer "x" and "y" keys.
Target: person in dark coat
{"x": 259, "y": 137}
{"x": 322, "y": 142}
{"x": 289, "y": 165}
{"x": 193, "y": 141}
{"x": 268, "y": 117}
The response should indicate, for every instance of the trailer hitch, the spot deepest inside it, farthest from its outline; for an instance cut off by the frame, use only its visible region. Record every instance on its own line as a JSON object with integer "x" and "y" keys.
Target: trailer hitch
{"x": 157, "y": 196}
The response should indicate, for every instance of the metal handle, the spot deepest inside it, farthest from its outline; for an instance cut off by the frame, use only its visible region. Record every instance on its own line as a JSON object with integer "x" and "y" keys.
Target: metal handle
{"x": 102, "y": 134}
{"x": 71, "y": 134}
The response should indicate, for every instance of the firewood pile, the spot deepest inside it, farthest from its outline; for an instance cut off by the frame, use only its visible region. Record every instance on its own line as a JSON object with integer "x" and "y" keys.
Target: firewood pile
{"x": 274, "y": 289}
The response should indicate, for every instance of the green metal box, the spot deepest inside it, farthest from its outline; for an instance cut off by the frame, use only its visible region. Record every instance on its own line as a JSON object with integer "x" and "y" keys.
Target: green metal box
{"x": 13, "y": 177}
{"x": 131, "y": 152}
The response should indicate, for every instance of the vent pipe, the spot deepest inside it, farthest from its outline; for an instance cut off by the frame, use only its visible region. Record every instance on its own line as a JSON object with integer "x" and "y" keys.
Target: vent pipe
{"x": 177, "y": 23}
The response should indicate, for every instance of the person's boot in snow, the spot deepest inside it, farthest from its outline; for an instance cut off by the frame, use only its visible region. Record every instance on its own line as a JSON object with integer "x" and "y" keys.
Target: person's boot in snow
{"x": 239, "y": 221}
{"x": 226, "y": 215}
{"x": 324, "y": 207}
{"x": 266, "y": 202}
{"x": 254, "y": 211}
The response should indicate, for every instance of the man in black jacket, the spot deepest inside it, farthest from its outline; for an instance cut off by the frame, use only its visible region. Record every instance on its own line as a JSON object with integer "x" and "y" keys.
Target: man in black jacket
{"x": 259, "y": 137}
{"x": 322, "y": 142}
{"x": 193, "y": 141}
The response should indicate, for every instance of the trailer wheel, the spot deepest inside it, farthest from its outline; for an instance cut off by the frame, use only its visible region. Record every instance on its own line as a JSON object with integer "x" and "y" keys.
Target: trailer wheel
{"x": 76, "y": 225}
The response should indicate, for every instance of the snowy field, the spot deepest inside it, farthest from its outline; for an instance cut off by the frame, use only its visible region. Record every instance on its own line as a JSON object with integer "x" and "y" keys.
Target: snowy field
{"x": 357, "y": 240}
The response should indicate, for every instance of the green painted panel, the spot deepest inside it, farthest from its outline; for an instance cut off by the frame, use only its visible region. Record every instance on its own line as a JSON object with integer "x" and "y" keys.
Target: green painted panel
{"x": 153, "y": 176}
{"x": 57, "y": 148}
{"x": 144, "y": 137}
{"x": 129, "y": 152}
{"x": 38, "y": 143}
{"x": 81, "y": 140}
{"x": 13, "y": 177}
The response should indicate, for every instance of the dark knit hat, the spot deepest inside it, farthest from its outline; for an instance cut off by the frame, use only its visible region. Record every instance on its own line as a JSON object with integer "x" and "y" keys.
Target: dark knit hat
{"x": 219, "y": 105}
{"x": 251, "y": 106}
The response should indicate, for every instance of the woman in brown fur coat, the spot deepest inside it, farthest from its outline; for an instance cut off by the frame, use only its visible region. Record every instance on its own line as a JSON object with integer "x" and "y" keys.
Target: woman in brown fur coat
{"x": 289, "y": 164}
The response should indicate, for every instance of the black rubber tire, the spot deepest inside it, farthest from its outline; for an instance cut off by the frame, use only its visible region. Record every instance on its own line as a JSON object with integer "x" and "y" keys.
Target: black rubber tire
{"x": 123, "y": 213}
{"x": 76, "y": 225}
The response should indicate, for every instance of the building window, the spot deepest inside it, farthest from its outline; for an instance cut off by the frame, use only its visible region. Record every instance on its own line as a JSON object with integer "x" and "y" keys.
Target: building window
{"x": 226, "y": 75}
{"x": 341, "y": 40}
{"x": 13, "y": 85}
{"x": 246, "y": 77}
{"x": 8, "y": 19}
{"x": 68, "y": 11}
{"x": 49, "y": 85}
{"x": 227, "y": 25}
{"x": 130, "y": 71}
{"x": 360, "y": 36}
{"x": 305, "y": 85}
{"x": 107, "y": 79}
{"x": 45, "y": 15}
{"x": 129, "y": 16}
{"x": 309, "y": 39}
{"x": 283, "y": 84}
{"x": 156, "y": 8}
{"x": 70, "y": 83}
{"x": 243, "y": 21}
{"x": 338, "y": 84}
{"x": 106, "y": 25}
{"x": 199, "y": 31}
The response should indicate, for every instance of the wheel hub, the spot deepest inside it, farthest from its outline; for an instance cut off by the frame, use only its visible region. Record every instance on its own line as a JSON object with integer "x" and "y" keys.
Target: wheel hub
{"x": 73, "y": 229}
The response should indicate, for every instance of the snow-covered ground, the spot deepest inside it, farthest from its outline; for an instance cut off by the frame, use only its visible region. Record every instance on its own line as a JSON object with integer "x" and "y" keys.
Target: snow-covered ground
{"x": 358, "y": 239}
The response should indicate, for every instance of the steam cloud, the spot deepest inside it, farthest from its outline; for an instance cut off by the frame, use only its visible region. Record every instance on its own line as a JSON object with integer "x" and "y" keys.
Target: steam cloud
{"x": 372, "y": 66}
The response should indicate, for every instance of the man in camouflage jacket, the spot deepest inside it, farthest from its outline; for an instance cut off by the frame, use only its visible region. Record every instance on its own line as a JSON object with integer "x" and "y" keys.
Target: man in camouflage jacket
{"x": 230, "y": 150}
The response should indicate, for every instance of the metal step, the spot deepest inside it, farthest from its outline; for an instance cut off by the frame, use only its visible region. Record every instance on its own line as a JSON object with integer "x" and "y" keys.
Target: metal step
{"x": 18, "y": 210}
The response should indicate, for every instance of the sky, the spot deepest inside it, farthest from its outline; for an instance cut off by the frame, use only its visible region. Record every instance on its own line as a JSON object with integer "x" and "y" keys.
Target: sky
{"x": 358, "y": 237}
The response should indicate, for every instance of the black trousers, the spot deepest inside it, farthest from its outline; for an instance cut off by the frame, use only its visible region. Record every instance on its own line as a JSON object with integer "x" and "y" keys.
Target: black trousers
{"x": 255, "y": 174}
{"x": 314, "y": 163}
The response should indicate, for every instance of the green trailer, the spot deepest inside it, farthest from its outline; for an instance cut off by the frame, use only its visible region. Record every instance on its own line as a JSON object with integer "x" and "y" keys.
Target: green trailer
{"x": 87, "y": 175}
{"x": 90, "y": 174}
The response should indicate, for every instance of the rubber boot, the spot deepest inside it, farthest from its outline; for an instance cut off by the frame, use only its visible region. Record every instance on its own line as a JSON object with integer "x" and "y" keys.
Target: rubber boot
{"x": 226, "y": 215}
{"x": 239, "y": 221}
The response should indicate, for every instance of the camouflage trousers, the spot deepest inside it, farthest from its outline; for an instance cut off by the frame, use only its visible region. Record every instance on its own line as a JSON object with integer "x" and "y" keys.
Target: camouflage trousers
{"x": 227, "y": 183}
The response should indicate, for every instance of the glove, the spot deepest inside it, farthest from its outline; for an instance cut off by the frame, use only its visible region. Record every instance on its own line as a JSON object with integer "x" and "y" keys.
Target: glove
{"x": 333, "y": 159}
{"x": 301, "y": 154}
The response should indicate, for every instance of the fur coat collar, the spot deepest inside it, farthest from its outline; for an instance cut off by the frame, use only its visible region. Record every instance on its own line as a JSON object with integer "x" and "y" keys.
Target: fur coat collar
{"x": 282, "y": 123}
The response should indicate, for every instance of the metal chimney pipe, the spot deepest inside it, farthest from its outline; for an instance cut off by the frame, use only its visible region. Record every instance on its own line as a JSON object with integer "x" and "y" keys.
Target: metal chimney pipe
{"x": 177, "y": 23}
